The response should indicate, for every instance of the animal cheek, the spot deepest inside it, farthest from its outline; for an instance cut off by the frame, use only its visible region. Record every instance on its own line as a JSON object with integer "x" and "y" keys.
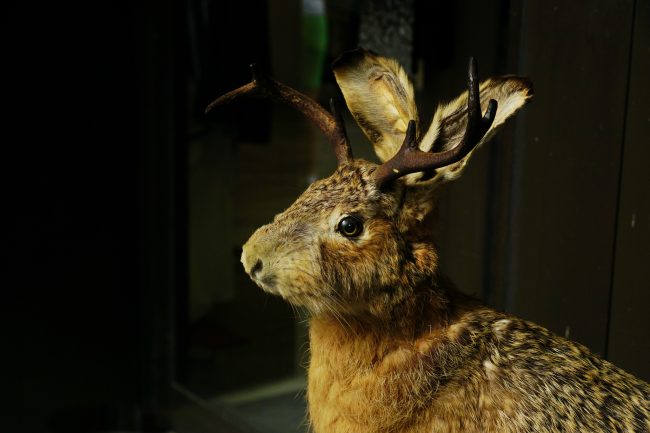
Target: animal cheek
{"x": 360, "y": 266}
{"x": 339, "y": 263}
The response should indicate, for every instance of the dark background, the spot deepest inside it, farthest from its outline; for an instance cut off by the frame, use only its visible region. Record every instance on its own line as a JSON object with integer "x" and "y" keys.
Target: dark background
{"x": 552, "y": 222}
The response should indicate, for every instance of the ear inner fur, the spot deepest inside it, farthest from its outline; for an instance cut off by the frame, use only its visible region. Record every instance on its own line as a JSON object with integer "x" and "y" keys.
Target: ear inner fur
{"x": 380, "y": 97}
{"x": 510, "y": 92}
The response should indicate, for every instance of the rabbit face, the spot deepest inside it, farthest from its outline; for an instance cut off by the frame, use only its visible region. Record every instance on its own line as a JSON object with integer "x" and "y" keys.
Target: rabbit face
{"x": 343, "y": 246}
{"x": 358, "y": 241}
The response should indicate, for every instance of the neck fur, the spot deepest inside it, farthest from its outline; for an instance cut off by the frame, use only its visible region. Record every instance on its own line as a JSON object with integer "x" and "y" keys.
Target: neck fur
{"x": 404, "y": 314}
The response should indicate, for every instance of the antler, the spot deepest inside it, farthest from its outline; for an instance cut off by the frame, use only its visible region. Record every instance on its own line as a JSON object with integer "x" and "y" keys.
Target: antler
{"x": 264, "y": 86}
{"x": 410, "y": 159}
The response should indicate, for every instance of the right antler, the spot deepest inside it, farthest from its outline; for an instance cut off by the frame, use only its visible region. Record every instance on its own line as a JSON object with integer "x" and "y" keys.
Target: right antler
{"x": 263, "y": 86}
{"x": 410, "y": 159}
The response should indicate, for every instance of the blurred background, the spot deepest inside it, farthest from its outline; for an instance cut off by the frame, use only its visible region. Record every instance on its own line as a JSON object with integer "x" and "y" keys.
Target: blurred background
{"x": 126, "y": 306}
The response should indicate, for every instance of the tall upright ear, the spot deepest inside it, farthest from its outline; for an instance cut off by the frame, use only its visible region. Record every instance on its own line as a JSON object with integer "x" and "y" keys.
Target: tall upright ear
{"x": 379, "y": 95}
{"x": 450, "y": 120}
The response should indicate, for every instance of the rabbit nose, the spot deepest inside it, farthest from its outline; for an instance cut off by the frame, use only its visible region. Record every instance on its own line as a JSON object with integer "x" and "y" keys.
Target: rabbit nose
{"x": 252, "y": 264}
{"x": 257, "y": 267}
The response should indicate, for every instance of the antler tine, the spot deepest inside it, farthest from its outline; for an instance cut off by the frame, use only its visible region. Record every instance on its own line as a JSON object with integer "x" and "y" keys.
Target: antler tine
{"x": 264, "y": 86}
{"x": 342, "y": 150}
{"x": 410, "y": 159}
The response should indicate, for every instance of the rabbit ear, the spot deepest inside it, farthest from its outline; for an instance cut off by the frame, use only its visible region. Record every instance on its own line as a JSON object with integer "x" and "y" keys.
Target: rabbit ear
{"x": 448, "y": 126}
{"x": 447, "y": 129}
{"x": 380, "y": 97}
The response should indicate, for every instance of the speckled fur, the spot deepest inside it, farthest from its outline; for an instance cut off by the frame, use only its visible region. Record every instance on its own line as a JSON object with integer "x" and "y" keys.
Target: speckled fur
{"x": 396, "y": 348}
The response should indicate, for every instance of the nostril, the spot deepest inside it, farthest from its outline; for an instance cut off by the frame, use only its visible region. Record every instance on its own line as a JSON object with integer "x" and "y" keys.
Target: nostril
{"x": 256, "y": 267}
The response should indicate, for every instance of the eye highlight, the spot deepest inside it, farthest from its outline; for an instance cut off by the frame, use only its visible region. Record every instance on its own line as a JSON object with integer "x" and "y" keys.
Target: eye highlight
{"x": 350, "y": 226}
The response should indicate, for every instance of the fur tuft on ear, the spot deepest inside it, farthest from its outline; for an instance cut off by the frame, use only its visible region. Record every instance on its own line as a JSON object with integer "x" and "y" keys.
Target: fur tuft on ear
{"x": 449, "y": 121}
{"x": 379, "y": 95}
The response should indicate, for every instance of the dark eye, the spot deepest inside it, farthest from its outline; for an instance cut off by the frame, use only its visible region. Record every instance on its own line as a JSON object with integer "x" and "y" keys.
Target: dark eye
{"x": 350, "y": 226}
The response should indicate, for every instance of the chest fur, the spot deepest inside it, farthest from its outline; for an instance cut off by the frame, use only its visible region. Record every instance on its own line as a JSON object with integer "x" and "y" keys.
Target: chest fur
{"x": 485, "y": 373}
{"x": 365, "y": 384}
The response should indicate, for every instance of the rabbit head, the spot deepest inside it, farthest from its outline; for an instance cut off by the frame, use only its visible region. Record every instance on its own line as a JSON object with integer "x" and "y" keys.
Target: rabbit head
{"x": 339, "y": 245}
{"x": 358, "y": 241}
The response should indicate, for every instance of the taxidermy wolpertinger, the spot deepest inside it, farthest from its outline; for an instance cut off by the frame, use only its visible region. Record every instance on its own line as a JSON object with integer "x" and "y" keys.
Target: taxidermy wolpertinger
{"x": 394, "y": 347}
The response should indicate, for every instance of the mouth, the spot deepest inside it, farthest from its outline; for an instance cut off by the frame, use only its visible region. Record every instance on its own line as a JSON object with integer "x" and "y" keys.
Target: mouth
{"x": 268, "y": 283}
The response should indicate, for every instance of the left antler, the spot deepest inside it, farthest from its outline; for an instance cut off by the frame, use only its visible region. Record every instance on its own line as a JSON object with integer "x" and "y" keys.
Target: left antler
{"x": 410, "y": 159}
{"x": 262, "y": 86}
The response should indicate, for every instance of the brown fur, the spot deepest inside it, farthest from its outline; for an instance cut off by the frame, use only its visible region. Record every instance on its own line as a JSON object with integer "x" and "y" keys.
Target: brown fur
{"x": 394, "y": 346}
